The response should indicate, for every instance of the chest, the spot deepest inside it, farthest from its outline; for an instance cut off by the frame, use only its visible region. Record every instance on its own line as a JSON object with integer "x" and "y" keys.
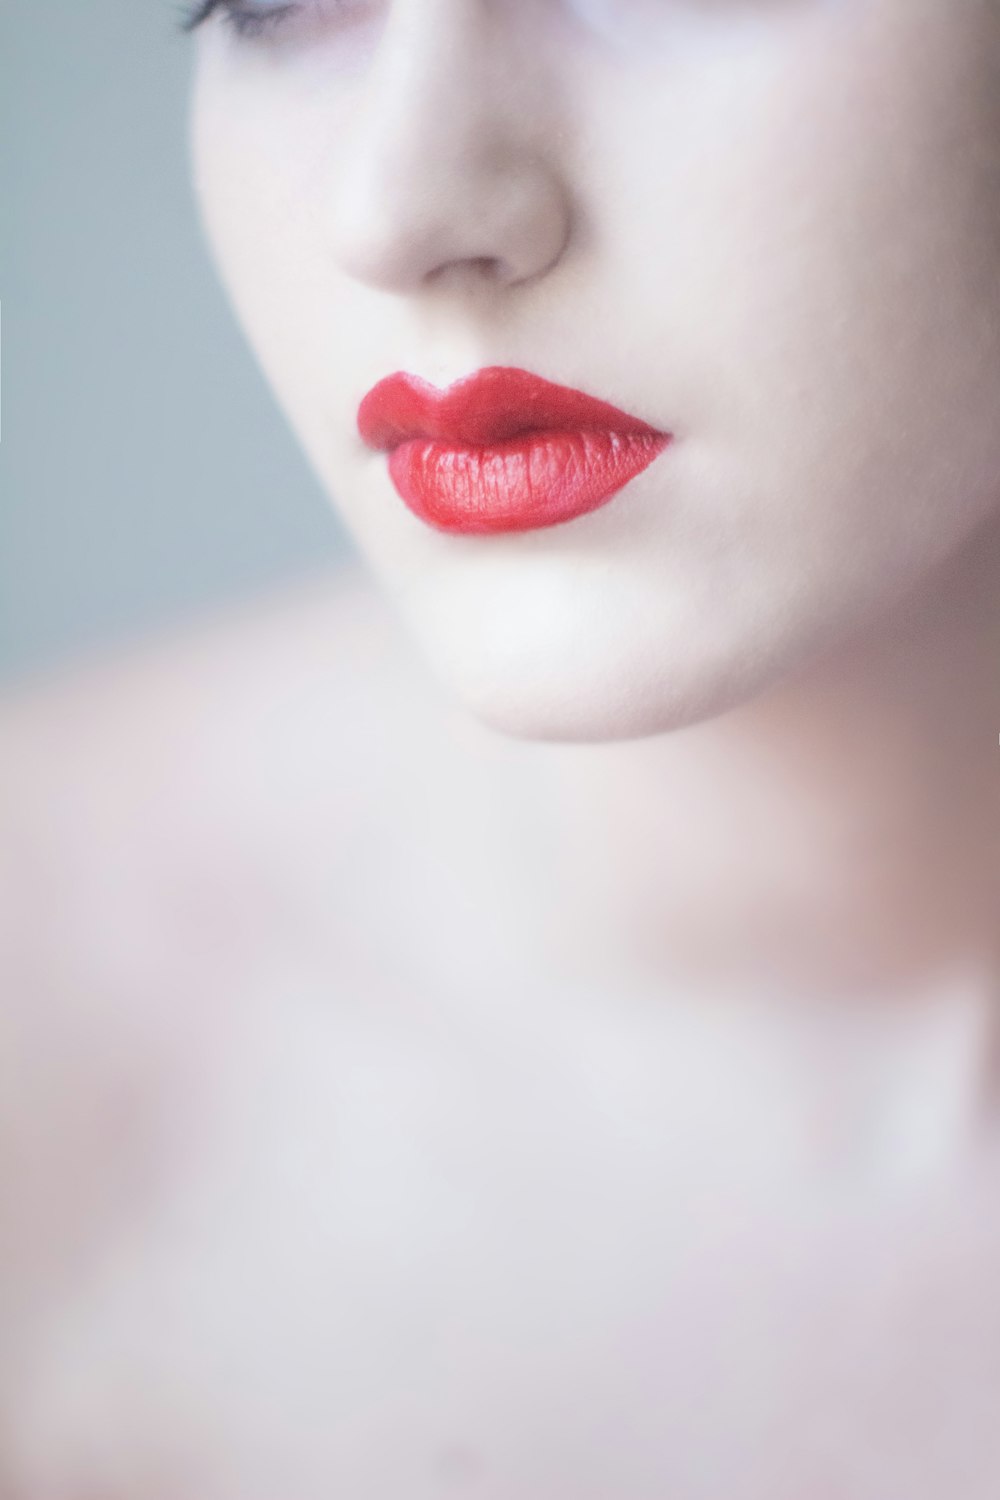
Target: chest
{"x": 387, "y": 1269}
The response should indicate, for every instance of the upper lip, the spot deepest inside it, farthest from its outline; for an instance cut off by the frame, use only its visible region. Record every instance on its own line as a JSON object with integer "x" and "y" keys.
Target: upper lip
{"x": 488, "y": 407}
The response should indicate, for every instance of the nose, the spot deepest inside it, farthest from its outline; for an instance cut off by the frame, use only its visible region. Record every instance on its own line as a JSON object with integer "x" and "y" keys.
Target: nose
{"x": 448, "y": 169}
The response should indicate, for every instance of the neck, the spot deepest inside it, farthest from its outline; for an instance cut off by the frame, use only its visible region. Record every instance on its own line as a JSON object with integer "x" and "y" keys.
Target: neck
{"x": 839, "y": 836}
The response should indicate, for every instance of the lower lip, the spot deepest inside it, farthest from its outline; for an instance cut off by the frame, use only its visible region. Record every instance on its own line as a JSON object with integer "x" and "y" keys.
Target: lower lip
{"x": 527, "y": 482}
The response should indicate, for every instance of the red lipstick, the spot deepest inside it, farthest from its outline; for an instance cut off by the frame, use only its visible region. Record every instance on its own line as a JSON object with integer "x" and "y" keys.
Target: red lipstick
{"x": 503, "y": 450}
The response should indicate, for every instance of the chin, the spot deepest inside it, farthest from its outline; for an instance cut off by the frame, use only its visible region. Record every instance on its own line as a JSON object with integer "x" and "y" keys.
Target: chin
{"x": 596, "y": 693}
{"x": 578, "y": 655}
{"x": 576, "y": 720}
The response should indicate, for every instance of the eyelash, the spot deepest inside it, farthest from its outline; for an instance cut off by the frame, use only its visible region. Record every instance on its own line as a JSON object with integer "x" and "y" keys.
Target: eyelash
{"x": 246, "y": 22}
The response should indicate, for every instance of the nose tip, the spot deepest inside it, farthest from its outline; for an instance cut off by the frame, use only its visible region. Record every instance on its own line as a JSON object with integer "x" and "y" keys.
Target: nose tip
{"x": 444, "y": 180}
{"x": 450, "y": 226}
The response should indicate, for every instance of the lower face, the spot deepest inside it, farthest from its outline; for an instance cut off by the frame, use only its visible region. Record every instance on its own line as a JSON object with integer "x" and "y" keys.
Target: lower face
{"x": 769, "y": 228}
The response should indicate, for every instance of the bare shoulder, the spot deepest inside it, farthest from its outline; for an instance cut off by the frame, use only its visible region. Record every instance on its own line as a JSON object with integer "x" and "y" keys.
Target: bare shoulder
{"x": 251, "y": 676}
{"x": 199, "y": 799}
{"x": 306, "y": 709}
{"x": 276, "y": 724}
{"x": 230, "y": 798}
{"x": 183, "y": 812}
{"x": 183, "y": 837}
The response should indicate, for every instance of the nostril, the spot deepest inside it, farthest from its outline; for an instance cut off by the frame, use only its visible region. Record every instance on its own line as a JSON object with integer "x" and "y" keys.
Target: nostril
{"x": 472, "y": 269}
{"x": 490, "y": 265}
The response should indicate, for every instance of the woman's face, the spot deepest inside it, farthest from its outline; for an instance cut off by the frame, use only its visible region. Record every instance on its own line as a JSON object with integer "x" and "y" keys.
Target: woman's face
{"x": 769, "y": 228}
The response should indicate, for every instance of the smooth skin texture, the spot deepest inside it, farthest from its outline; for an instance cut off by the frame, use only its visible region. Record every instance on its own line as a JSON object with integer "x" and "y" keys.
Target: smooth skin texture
{"x": 770, "y": 227}
{"x": 583, "y": 1111}
{"x": 323, "y": 1171}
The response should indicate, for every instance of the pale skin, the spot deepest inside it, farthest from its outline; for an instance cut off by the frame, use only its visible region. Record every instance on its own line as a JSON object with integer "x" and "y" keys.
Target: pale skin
{"x": 595, "y": 1083}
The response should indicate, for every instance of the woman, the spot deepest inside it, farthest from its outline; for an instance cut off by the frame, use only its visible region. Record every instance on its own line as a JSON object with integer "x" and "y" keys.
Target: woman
{"x": 635, "y": 1135}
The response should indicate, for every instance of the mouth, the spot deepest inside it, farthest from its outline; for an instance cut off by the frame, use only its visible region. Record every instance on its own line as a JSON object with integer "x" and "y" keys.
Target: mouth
{"x": 503, "y": 450}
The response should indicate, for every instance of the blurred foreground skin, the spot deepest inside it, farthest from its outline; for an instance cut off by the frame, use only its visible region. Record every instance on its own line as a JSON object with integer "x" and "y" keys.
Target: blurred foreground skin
{"x": 343, "y": 1154}
{"x": 392, "y": 1109}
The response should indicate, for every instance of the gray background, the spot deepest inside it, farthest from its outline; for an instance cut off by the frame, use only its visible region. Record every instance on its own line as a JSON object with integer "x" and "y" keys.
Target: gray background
{"x": 145, "y": 474}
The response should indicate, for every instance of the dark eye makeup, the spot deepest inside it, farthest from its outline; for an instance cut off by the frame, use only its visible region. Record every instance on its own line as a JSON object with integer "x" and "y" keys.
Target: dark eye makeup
{"x": 246, "y": 18}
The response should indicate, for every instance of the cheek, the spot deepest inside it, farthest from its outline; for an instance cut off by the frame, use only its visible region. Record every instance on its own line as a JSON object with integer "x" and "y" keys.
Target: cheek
{"x": 818, "y": 274}
{"x": 261, "y": 162}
